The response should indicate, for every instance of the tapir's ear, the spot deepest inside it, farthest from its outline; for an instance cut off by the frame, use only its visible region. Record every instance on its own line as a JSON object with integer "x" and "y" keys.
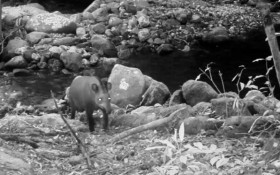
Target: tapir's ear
{"x": 109, "y": 86}
{"x": 94, "y": 87}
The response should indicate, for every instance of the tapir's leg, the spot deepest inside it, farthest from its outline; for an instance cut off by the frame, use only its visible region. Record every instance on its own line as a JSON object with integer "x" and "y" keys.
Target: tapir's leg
{"x": 91, "y": 122}
{"x": 73, "y": 112}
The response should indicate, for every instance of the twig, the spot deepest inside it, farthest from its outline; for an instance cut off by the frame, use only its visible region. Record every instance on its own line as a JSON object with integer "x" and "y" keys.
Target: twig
{"x": 80, "y": 144}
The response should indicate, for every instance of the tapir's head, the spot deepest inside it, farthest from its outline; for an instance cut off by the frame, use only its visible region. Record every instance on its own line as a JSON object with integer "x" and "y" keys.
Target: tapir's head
{"x": 102, "y": 97}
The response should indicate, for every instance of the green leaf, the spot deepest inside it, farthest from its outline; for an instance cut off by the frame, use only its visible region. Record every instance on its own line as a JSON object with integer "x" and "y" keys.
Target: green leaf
{"x": 242, "y": 85}
{"x": 222, "y": 162}
{"x": 198, "y": 77}
{"x": 269, "y": 58}
{"x": 182, "y": 131}
{"x": 166, "y": 142}
{"x": 257, "y": 60}
{"x": 198, "y": 145}
{"x": 214, "y": 160}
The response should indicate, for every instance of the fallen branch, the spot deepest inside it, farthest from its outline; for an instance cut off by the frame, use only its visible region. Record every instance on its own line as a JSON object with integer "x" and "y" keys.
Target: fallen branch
{"x": 19, "y": 138}
{"x": 147, "y": 126}
{"x": 80, "y": 143}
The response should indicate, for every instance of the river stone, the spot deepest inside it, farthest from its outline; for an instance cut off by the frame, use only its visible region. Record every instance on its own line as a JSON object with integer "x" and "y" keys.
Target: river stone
{"x": 72, "y": 61}
{"x": 143, "y": 34}
{"x": 224, "y": 107}
{"x": 114, "y": 21}
{"x": 67, "y": 41}
{"x": 100, "y": 14}
{"x": 176, "y": 98}
{"x": 143, "y": 21}
{"x": 98, "y": 28}
{"x": 12, "y": 47}
{"x": 16, "y": 62}
{"x": 156, "y": 93}
{"x": 165, "y": 49}
{"x": 128, "y": 85}
{"x": 182, "y": 15}
{"x": 197, "y": 91}
{"x": 114, "y": 7}
{"x": 10, "y": 14}
{"x": 216, "y": 35}
{"x": 12, "y": 162}
{"x": 81, "y": 31}
{"x": 21, "y": 72}
{"x": 103, "y": 44}
{"x": 35, "y": 37}
{"x": 50, "y": 23}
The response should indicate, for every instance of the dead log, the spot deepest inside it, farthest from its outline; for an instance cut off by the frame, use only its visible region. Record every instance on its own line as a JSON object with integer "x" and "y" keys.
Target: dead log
{"x": 147, "y": 126}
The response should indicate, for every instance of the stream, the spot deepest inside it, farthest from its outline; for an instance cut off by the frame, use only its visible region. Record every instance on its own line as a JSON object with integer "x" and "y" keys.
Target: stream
{"x": 172, "y": 69}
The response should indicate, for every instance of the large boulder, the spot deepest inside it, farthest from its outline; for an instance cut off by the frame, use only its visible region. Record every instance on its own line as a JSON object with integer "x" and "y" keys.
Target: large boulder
{"x": 72, "y": 61}
{"x": 12, "y": 48}
{"x": 10, "y": 14}
{"x": 50, "y": 23}
{"x": 103, "y": 44}
{"x": 35, "y": 37}
{"x": 157, "y": 92}
{"x": 197, "y": 91}
{"x": 128, "y": 85}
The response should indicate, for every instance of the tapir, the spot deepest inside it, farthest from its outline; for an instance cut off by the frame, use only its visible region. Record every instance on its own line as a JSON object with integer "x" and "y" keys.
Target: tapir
{"x": 89, "y": 93}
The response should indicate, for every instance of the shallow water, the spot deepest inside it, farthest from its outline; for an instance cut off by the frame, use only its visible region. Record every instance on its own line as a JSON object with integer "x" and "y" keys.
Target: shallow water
{"x": 172, "y": 69}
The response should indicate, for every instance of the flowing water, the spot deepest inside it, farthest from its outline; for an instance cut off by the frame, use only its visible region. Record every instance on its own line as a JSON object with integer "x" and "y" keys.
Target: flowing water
{"x": 172, "y": 69}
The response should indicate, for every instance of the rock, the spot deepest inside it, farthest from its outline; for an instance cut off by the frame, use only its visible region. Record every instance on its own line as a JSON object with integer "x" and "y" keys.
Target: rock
{"x": 76, "y": 18}
{"x": 87, "y": 16}
{"x": 124, "y": 52}
{"x": 55, "y": 65}
{"x": 101, "y": 43}
{"x": 165, "y": 49}
{"x": 202, "y": 109}
{"x": 50, "y": 23}
{"x": 35, "y": 37}
{"x": 254, "y": 95}
{"x": 216, "y": 35}
{"x": 224, "y": 107}
{"x": 93, "y": 59}
{"x": 108, "y": 63}
{"x": 114, "y": 21}
{"x": 80, "y": 32}
{"x": 16, "y": 62}
{"x": 182, "y": 15}
{"x": 45, "y": 41}
{"x": 194, "y": 125}
{"x": 100, "y": 14}
{"x": 143, "y": 34}
{"x": 156, "y": 93}
{"x": 72, "y": 61}
{"x": 176, "y": 98}
{"x": 196, "y": 18}
{"x": 94, "y": 5}
{"x": 21, "y": 72}
{"x": 12, "y": 162}
{"x": 11, "y": 49}
{"x": 114, "y": 7}
{"x": 128, "y": 85}
{"x": 55, "y": 51}
{"x": 132, "y": 22}
{"x": 170, "y": 23}
{"x": 197, "y": 91}
{"x": 98, "y": 28}
{"x": 37, "y": 5}
{"x": 67, "y": 41}
{"x": 10, "y": 14}
{"x": 143, "y": 21}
